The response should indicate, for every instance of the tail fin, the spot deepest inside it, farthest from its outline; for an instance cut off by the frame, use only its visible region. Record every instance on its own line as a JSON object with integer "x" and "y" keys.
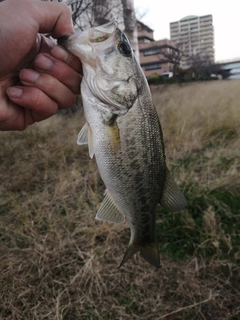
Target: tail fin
{"x": 149, "y": 252}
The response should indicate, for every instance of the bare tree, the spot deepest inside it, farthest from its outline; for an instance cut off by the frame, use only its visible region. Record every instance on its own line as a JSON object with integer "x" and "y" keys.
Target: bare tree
{"x": 172, "y": 55}
{"x": 90, "y": 13}
{"x": 79, "y": 8}
{"x": 130, "y": 24}
{"x": 129, "y": 18}
{"x": 201, "y": 65}
{"x": 105, "y": 10}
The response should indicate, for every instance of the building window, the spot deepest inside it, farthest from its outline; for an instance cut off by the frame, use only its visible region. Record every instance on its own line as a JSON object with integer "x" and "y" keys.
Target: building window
{"x": 152, "y": 66}
{"x": 151, "y": 51}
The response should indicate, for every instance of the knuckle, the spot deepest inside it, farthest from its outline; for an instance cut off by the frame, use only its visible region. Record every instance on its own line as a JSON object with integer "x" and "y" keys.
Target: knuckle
{"x": 47, "y": 83}
{"x": 68, "y": 102}
{"x": 36, "y": 96}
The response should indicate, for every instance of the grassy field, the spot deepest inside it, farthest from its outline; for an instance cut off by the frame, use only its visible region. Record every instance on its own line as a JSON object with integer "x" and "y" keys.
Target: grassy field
{"x": 58, "y": 262}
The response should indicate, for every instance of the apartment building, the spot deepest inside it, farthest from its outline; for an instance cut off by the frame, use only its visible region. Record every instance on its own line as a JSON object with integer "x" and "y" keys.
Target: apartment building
{"x": 194, "y": 36}
{"x": 153, "y": 55}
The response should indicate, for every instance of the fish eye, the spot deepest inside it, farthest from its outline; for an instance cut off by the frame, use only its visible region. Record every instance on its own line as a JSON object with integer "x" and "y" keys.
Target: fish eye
{"x": 125, "y": 48}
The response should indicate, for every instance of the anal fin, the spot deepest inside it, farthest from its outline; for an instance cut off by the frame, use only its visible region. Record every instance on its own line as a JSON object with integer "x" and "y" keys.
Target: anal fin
{"x": 108, "y": 211}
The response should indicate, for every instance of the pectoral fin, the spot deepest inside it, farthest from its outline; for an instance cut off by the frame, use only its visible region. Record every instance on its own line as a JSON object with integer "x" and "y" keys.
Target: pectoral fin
{"x": 114, "y": 135}
{"x": 108, "y": 211}
{"x": 172, "y": 198}
{"x": 85, "y": 137}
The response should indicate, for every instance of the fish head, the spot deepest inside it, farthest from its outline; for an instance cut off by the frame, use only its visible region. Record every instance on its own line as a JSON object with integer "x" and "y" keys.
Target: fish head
{"x": 109, "y": 65}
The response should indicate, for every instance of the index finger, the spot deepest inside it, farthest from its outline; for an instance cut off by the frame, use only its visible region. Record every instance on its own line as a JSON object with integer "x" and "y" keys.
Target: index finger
{"x": 66, "y": 56}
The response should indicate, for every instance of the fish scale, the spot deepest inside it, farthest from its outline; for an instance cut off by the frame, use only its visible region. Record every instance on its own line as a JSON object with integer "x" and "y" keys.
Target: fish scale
{"x": 124, "y": 133}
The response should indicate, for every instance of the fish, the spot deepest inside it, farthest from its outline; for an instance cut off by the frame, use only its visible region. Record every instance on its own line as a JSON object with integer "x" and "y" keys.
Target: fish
{"x": 124, "y": 134}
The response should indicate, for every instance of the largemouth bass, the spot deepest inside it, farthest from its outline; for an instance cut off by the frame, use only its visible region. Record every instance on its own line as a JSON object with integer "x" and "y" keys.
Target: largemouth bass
{"x": 124, "y": 133}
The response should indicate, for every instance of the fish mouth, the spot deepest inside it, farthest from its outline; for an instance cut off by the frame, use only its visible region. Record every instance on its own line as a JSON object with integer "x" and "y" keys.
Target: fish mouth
{"x": 63, "y": 40}
{"x": 102, "y": 33}
{"x": 93, "y": 35}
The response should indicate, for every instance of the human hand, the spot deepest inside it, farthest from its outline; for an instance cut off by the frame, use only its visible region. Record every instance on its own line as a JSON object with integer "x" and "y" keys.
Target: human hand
{"x": 36, "y": 76}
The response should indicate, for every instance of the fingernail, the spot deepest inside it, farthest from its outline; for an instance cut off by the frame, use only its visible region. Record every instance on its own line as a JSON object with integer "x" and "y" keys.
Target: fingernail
{"x": 59, "y": 53}
{"x": 28, "y": 75}
{"x": 14, "y": 92}
{"x": 42, "y": 62}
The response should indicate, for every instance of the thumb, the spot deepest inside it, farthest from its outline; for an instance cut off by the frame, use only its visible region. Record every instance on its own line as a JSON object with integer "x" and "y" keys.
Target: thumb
{"x": 45, "y": 17}
{"x": 54, "y": 18}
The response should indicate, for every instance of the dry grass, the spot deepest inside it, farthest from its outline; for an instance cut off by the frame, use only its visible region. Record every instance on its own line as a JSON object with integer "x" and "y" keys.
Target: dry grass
{"x": 57, "y": 262}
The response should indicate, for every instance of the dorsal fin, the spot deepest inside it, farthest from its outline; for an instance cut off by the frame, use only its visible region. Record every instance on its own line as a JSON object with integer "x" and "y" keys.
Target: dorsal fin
{"x": 108, "y": 211}
{"x": 172, "y": 198}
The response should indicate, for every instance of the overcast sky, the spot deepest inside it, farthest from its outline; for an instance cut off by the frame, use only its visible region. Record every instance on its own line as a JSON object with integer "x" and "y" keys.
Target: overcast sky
{"x": 226, "y": 20}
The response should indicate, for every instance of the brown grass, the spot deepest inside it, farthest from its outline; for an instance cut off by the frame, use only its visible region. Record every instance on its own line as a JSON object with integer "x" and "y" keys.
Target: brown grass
{"x": 58, "y": 262}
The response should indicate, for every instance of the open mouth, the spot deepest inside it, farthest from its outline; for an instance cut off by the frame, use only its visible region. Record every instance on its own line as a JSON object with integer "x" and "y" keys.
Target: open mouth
{"x": 62, "y": 40}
